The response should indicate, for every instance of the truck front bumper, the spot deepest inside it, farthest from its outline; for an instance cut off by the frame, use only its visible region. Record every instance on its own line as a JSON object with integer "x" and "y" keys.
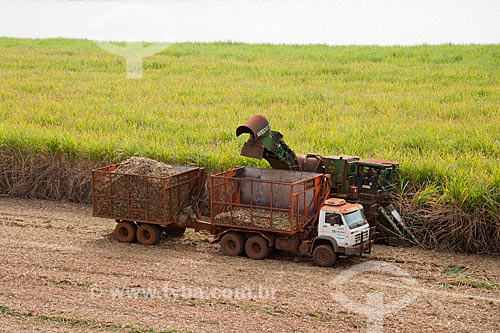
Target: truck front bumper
{"x": 359, "y": 249}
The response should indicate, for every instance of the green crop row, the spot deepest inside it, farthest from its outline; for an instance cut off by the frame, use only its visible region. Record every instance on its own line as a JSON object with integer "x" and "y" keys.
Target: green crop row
{"x": 434, "y": 109}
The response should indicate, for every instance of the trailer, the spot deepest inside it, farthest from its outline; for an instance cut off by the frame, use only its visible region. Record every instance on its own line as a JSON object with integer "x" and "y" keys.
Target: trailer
{"x": 146, "y": 206}
{"x": 252, "y": 211}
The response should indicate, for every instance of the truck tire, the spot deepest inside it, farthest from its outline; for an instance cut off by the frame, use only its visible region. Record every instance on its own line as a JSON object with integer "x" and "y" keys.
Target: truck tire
{"x": 324, "y": 255}
{"x": 148, "y": 234}
{"x": 232, "y": 244}
{"x": 257, "y": 247}
{"x": 125, "y": 231}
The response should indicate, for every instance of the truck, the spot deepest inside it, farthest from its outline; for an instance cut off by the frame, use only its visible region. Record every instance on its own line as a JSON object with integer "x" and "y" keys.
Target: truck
{"x": 252, "y": 211}
{"x": 369, "y": 182}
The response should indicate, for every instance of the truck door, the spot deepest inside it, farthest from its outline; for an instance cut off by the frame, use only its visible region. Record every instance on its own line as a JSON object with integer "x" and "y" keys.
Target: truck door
{"x": 334, "y": 226}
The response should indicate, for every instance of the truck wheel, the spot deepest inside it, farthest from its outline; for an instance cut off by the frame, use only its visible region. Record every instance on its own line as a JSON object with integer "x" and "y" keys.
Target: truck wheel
{"x": 232, "y": 244}
{"x": 257, "y": 247}
{"x": 324, "y": 255}
{"x": 125, "y": 231}
{"x": 148, "y": 234}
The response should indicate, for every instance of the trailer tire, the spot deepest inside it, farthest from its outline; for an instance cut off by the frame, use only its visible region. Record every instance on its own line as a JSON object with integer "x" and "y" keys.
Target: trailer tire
{"x": 148, "y": 234}
{"x": 125, "y": 231}
{"x": 257, "y": 247}
{"x": 232, "y": 244}
{"x": 324, "y": 255}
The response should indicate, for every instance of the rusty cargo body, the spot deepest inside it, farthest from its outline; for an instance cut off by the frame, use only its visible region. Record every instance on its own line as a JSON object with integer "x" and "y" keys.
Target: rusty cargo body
{"x": 256, "y": 210}
{"x": 145, "y": 206}
{"x": 282, "y": 202}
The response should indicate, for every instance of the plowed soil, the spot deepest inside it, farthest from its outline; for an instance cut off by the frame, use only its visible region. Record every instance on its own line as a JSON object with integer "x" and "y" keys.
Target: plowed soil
{"x": 63, "y": 271}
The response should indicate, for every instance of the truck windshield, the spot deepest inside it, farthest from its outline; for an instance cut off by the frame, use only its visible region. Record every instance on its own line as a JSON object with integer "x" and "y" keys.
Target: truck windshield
{"x": 355, "y": 219}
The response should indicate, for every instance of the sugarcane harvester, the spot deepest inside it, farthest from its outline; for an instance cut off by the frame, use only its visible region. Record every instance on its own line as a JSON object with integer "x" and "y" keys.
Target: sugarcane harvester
{"x": 365, "y": 181}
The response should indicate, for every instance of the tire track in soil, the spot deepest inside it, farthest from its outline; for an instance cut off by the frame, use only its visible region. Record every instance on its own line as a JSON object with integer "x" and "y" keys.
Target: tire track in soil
{"x": 47, "y": 272}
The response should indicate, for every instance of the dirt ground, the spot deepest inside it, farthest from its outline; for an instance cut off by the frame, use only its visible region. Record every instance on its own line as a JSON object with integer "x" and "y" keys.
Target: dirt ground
{"x": 62, "y": 271}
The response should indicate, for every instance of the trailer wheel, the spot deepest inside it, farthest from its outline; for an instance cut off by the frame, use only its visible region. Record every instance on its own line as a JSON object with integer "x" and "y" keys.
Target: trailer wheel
{"x": 148, "y": 234}
{"x": 257, "y": 247}
{"x": 125, "y": 231}
{"x": 324, "y": 255}
{"x": 232, "y": 244}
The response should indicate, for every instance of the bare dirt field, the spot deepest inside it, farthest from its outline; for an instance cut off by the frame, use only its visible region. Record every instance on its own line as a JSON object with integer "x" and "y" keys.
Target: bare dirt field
{"x": 62, "y": 271}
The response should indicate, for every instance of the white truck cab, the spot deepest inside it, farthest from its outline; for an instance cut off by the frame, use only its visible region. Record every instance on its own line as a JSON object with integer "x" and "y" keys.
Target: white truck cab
{"x": 343, "y": 227}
